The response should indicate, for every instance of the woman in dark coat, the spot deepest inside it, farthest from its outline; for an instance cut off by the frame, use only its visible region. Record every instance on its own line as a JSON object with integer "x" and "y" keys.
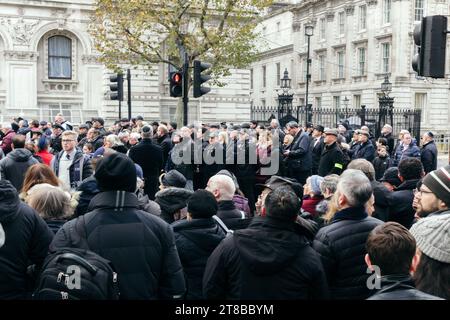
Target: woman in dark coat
{"x": 196, "y": 238}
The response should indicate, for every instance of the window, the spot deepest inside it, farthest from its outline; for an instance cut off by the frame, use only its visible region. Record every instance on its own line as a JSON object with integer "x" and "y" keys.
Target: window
{"x": 340, "y": 63}
{"x": 337, "y": 102}
{"x": 318, "y": 102}
{"x": 323, "y": 29}
{"x": 322, "y": 68}
{"x": 341, "y": 23}
{"x": 357, "y": 100}
{"x": 362, "y": 17}
{"x": 278, "y": 74}
{"x": 418, "y": 10}
{"x": 251, "y": 79}
{"x": 59, "y": 57}
{"x": 420, "y": 101}
{"x": 264, "y": 76}
{"x": 386, "y": 11}
{"x": 362, "y": 61}
{"x": 385, "y": 58}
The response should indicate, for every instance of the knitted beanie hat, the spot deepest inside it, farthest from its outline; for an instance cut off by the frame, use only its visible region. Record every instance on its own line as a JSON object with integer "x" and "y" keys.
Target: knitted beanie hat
{"x": 432, "y": 236}
{"x": 438, "y": 181}
{"x": 315, "y": 184}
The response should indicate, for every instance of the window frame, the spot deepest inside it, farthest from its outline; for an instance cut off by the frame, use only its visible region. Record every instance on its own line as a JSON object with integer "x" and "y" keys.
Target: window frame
{"x": 56, "y": 56}
{"x": 74, "y": 56}
{"x": 385, "y": 68}
{"x": 362, "y": 17}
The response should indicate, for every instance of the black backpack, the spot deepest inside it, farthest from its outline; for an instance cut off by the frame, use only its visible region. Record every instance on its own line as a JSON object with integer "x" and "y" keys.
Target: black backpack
{"x": 77, "y": 273}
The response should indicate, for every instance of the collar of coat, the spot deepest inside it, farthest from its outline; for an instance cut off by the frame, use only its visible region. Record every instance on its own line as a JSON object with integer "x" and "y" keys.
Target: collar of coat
{"x": 352, "y": 213}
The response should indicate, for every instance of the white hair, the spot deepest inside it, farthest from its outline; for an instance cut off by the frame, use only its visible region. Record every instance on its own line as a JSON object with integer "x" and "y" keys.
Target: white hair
{"x": 113, "y": 140}
{"x": 355, "y": 186}
{"x": 135, "y": 135}
{"x": 224, "y": 184}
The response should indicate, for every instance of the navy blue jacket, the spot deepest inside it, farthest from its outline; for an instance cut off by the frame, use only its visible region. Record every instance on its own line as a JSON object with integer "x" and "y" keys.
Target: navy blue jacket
{"x": 365, "y": 151}
{"x": 300, "y": 157}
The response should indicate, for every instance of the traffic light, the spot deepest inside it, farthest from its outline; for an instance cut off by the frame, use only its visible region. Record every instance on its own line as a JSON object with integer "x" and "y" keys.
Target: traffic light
{"x": 431, "y": 37}
{"x": 116, "y": 87}
{"x": 176, "y": 84}
{"x": 200, "y": 78}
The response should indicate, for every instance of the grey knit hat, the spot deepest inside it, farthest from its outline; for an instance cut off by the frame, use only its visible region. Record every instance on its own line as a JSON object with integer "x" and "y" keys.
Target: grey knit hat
{"x": 432, "y": 235}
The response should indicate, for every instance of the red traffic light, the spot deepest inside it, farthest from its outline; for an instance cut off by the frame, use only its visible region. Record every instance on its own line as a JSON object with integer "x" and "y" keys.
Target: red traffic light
{"x": 176, "y": 78}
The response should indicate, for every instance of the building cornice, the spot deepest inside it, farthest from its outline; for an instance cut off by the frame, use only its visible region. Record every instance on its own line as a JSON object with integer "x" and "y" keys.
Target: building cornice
{"x": 20, "y": 55}
{"x": 276, "y": 52}
{"x": 50, "y": 4}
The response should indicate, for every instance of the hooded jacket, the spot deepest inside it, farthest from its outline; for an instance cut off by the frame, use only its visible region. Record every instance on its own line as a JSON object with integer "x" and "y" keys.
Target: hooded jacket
{"x": 195, "y": 241}
{"x": 270, "y": 259}
{"x": 14, "y": 166}
{"x": 171, "y": 200}
{"x": 26, "y": 241}
{"x": 140, "y": 246}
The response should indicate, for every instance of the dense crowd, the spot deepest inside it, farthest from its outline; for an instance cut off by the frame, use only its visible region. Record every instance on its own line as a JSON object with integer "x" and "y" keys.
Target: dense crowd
{"x": 225, "y": 211}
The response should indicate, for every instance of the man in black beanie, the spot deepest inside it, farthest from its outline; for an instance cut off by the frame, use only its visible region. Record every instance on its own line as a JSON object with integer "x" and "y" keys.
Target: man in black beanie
{"x": 140, "y": 246}
{"x": 196, "y": 238}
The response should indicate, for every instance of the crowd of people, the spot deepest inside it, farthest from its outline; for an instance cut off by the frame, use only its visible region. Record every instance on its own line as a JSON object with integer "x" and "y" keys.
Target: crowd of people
{"x": 251, "y": 212}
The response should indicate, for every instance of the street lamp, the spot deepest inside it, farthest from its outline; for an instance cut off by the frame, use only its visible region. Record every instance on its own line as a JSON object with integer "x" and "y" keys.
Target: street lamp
{"x": 309, "y": 31}
{"x": 385, "y": 103}
{"x": 285, "y": 97}
{"x": 386, "y": 86}
{"x": 346, "y": 106}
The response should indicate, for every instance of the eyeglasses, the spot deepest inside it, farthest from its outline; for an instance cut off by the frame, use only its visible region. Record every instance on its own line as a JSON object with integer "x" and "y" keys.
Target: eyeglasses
{"x": 415, "y": 191}
{"x": 65, "y": 141}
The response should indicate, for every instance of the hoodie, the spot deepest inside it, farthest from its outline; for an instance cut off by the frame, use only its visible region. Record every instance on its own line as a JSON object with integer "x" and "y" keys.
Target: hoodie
{"x": 14, "y": 166}
{"x": 271, "y": 259}
{"x": 24, "y": 242}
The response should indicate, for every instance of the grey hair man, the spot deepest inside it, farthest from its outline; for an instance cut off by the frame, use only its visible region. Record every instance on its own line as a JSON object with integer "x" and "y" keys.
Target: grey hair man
{"x": 341, "y": 242}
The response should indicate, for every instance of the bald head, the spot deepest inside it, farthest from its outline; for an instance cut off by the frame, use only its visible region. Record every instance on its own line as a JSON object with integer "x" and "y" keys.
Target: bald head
{"x": 222, "y": 187}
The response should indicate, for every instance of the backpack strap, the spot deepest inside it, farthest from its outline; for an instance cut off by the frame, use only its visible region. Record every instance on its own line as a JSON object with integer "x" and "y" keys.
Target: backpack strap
{"x": 78, "y": 232}
{"x": 222, "y": 225}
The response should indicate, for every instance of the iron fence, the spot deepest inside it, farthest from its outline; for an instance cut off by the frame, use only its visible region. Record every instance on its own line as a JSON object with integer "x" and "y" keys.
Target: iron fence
{"x": 375, "y": 119}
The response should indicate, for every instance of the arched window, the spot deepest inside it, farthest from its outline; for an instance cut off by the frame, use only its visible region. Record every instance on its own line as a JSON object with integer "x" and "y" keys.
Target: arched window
{"x": 59, "y": 57}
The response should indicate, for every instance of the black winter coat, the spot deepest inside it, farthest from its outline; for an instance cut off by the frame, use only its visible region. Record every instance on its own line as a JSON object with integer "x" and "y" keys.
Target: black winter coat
{"x": 195, "y": 241}
{"x": 150, "y": 157}
{"x": 316, "y": 152}
{"x": 14, "y": 166}
{"x": 400, "y": 203}
{"x": 231, "y": 216}
{"x": 428, "y": 156}
{"x": 390, "y": 142}
{"x": 27, "y": 238}
{"x": 166, "y": 145}
{"x": 79, "y": 170}
{"x": 341, "y": 245}
{"x": 140, "y": 246}
{"x": 400, "y": 287}
{"x": 381, "y": 164}
{"x": 269, "y": 260}
{"x": 331, "y": 160}
{"x": 300, "y": 158}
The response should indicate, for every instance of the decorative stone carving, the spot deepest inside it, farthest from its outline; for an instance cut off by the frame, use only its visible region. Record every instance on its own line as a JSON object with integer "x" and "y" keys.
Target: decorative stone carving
{"x": 296, "y": 25}
{"x": 330, "y": 15}
{"x": 372, "y": 2}
{"x": 20, "y": 31}
{"x": 21, "y": 55}
{"x": 349, "y": 10}
{"x": 90, "y": 59}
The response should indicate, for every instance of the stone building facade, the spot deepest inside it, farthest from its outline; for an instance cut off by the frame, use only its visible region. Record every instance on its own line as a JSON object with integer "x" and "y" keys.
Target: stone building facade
{"x": 48, "y": 64}
{"x": 355, "y": 44}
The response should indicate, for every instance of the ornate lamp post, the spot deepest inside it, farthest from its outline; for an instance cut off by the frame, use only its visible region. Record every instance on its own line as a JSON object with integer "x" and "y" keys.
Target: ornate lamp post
{"x": 285, "y": 97}
{"x": 385, "y": 103}
{"x": 309, "y": 31}
{"x": 346, "y": 101}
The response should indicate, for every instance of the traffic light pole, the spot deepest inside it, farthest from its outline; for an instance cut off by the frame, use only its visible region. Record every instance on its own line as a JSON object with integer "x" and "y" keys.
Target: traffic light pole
{"x": 120, "y": 109}
{"x": 185, "y": 88}
{"x": 129, "y": 93}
